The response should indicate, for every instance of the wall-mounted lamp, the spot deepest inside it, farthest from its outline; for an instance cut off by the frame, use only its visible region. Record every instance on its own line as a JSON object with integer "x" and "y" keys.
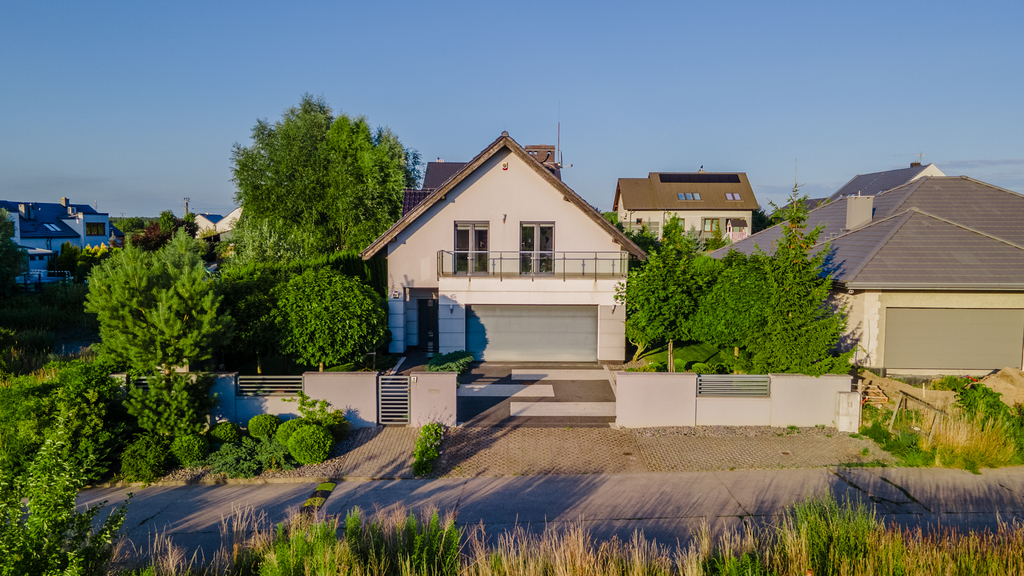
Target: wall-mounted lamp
{"x": 504, "y": 165}
{"x": 394, "y": 294}
{"x": 503, "y": 217}
{"x": 451, "y": 308}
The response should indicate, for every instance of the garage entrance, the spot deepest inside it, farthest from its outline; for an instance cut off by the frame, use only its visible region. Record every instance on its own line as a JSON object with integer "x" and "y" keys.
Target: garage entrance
{"x": 953, "y": 338}
{"x": 524, "y": 333}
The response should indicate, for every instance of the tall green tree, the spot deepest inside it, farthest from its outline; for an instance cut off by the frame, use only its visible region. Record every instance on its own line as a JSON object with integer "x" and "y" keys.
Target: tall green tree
{"x": 332, "y": 183}
{"x": 658, "y": 302}
{"x": 157, "y": 310}
{"x": 13, "y": 258}
{"x": 329, "y": 318}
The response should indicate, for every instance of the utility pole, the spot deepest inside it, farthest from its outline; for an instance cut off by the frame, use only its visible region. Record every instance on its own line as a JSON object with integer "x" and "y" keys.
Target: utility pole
{"x": 186, "y": 206}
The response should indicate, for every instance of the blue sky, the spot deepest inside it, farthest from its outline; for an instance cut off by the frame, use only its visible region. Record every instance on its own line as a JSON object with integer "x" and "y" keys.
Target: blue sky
{"x": 136, "y": 105}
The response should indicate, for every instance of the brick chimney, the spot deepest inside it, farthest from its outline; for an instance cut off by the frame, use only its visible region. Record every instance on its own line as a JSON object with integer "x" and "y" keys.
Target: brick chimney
{"x": 858, "y": 211}
{"x": 64, "y": 201}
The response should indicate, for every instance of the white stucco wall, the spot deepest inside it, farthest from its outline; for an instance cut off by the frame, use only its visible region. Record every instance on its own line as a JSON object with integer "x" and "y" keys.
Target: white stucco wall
{"x": 691, "y": 218}
{"x": 504, "y": 198}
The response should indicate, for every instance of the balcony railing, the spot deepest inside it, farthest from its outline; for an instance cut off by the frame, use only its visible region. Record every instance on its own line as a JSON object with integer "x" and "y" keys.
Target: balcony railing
{"x": 561, "y": 265}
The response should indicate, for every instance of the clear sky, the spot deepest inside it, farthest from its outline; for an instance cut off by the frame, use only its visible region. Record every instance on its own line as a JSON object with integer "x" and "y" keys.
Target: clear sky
{"x": 135, "y": 105}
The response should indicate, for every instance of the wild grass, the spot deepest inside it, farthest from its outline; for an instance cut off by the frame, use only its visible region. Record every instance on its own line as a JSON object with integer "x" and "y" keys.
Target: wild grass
{"x": 971, "y": 442}
{"x": 821, "y": 536}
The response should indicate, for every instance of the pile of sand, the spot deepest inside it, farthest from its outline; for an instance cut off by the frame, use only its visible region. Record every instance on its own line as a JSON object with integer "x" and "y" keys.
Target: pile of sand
{"x": 1009, "y": 382}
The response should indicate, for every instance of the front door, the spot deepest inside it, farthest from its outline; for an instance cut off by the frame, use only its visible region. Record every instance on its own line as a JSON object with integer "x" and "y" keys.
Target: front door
{"x": 426, "y": 311}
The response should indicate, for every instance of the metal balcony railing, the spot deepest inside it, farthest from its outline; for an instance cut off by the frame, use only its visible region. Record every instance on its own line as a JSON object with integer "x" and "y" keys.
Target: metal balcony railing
{"x": 561, "y": 265}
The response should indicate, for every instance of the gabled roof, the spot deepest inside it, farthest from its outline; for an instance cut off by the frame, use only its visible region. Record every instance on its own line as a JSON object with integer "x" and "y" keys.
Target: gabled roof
{"x": 877, "y": 182}
{"x": 972, "y": 203}
{"x": 918, "y": 250}
{"x": 661, "y": 191}
{"x": 411, "y": 198}
{"x": 438, "y": 173}
{"x": 212, "y": 218}
{"x": 502, "y": 142}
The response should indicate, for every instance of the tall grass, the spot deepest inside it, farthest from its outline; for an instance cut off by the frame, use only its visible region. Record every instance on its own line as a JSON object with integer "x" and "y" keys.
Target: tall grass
{"x": 972, "y": 442}
{"x": 822, "y": 536}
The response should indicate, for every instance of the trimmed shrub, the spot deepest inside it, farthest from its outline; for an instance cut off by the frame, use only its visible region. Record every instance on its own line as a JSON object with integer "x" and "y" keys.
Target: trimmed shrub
{"x": 427, "y": 448}
{"x": 708, "y": 368}
{"x": 236, "y": 460}
{"x": 263, "y": 426}
{"x": 145, "y": 459}
{"x": 190, "y": 450}
{"x": 288, "y": 427}
{"x": 310, "y": 444}
{"x": 226, "y": 432}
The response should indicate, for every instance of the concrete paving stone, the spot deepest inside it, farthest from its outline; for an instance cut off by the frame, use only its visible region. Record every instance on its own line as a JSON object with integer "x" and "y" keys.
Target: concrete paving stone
{"x": 383, "y": 452}
{"x": 521, "y": 451}
{"x": 946, "y": 491}
{"x": 414, "y": 495}
{"x": 758, "y": 493}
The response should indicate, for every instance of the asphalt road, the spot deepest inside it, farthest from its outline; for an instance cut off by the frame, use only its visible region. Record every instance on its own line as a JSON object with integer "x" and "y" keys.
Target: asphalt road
{"x": 665, "y": 506}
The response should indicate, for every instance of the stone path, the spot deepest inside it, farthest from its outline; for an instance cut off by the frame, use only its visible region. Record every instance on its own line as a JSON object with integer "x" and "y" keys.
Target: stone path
{"x": 468, "y": 452}
{"x": 383, "y": 452}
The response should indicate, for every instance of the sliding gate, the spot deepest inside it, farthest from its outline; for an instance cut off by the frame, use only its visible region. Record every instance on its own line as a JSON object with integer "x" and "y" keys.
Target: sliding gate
{"x": 393, "y": 400}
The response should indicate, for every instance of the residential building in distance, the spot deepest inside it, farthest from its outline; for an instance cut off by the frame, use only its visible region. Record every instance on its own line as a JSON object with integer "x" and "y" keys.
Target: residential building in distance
{"x": 931, "y": 273}
{"x": 878, "y": 182}
{"x": 705, "y": 201}
{"x": 504, "y": 260}
{"x": 207, "y": 222}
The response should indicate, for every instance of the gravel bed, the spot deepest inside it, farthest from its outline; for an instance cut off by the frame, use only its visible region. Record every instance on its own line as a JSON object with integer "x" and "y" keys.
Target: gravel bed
{"x": 732, "y": 431}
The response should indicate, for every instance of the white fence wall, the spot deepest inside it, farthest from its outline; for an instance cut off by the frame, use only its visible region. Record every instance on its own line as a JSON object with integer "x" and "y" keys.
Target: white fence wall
{"x": 432, "y": 398}
{"x": 647, "y": 399}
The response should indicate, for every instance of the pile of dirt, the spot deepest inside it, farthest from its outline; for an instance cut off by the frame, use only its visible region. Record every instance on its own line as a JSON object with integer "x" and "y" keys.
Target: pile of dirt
{"x": 1009, "y": 382}
{"x": 941, "y": 399}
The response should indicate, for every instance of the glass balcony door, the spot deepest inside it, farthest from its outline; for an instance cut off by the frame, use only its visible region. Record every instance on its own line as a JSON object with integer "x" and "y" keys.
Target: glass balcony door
{"x": 471, "y": 247}
{"x": 537, "y": 248}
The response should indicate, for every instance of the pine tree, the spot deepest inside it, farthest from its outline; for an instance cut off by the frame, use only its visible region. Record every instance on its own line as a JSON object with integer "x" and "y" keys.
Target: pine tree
{"x": 157, "y": 310}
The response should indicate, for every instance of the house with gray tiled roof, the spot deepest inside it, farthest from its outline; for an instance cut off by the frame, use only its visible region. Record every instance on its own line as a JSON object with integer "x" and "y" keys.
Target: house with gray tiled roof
{"x": 931, "y": 272}
{"x": 878, "y": 182}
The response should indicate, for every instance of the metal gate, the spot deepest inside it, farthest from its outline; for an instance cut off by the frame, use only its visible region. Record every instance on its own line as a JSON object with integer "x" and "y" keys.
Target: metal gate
{"x": 393, "y": 400}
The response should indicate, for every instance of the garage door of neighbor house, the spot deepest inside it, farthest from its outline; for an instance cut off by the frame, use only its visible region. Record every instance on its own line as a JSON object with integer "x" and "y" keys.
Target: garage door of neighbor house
{"x": 507, "y": 333}
{"x": 953, "y": 338}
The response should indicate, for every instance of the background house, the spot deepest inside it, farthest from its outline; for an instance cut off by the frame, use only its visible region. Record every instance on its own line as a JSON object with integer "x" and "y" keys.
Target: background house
{"x": 506, "y": 261}
{"x": 931, "y": 272}
{"x": 45, "y": 227}
{"x": 704, "y": 200}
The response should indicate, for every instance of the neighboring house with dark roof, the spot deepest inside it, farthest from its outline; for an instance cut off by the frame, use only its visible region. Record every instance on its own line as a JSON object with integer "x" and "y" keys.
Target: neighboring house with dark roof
{"x": 48, "y": 226}
{"x": 506, "y": 261}
{"x": 877, "y": 182}
{"x": 705, "y": 201}
{"x": 931, "y": 272}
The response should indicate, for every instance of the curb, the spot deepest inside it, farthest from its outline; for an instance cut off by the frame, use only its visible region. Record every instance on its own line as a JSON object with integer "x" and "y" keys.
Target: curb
{"x": 215, "y": 482}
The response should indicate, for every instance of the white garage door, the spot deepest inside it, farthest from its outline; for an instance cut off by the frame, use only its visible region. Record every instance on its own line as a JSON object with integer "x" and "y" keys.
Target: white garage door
{"x": 953, "y": 338}
{"x": 500, "y": 333}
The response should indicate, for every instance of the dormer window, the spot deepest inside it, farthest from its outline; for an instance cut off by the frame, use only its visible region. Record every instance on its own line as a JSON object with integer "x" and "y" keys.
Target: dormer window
{"x": 688, "y": 196}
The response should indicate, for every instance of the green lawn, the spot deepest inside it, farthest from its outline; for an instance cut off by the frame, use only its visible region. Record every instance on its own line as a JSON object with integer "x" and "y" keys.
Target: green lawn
{"x": 685, "y": 353}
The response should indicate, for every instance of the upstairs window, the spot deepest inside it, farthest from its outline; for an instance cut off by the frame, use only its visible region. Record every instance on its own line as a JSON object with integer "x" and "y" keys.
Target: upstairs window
{"x": 471, "y": 247}
{"x": 95, "y": 229}
{"x": 732, "y": 196}
{"x": 688, "y": 196}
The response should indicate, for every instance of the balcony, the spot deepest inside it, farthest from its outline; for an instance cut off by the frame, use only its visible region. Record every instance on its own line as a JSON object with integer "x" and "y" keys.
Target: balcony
{"x": 560, "y": 265}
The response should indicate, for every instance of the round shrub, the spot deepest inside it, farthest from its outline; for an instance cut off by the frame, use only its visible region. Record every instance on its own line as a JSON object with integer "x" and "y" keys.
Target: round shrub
{"x": 310, "y": 444}
{"x": 189, "y": 450}
{"x": 288, "y": 427}
{"x": 263, "y": 426}
{"x": 145, "y": 459}
{"x": 226, "y": 432}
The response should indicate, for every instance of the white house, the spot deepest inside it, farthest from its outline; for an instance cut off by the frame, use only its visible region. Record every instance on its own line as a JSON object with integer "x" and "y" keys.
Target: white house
{"x": 48, "y": 225}
{"x": 506, "y": 261}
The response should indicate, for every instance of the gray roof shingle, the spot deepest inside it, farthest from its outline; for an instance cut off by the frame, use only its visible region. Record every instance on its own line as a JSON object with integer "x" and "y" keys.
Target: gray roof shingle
{"x": 876, "y": 182}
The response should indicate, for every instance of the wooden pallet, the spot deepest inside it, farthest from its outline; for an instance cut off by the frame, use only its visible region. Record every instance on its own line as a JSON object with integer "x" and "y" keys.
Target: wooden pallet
{"x": 873, "y": 395}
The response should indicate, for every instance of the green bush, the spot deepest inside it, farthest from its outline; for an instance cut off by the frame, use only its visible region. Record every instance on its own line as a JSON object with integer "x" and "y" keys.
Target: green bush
{"x": 173, "y": 404}
{"x": 263, "y": 426}
{"x": 427, "y": 445}
{"x": 457, "y": 361}
{"x": 319, "y": 412}
{"x": 310, "y": 444}
{"x": 272, "y": 455}
{"x": 236, "y": 460}
{"x": 226, "y": 432}
{"x": 35, "y": 340}
{"x": 190, "y": 450}
{"x": 288, "y": 427}
{"x": 145, "y": 459}
{"x": 708, "y": 368}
